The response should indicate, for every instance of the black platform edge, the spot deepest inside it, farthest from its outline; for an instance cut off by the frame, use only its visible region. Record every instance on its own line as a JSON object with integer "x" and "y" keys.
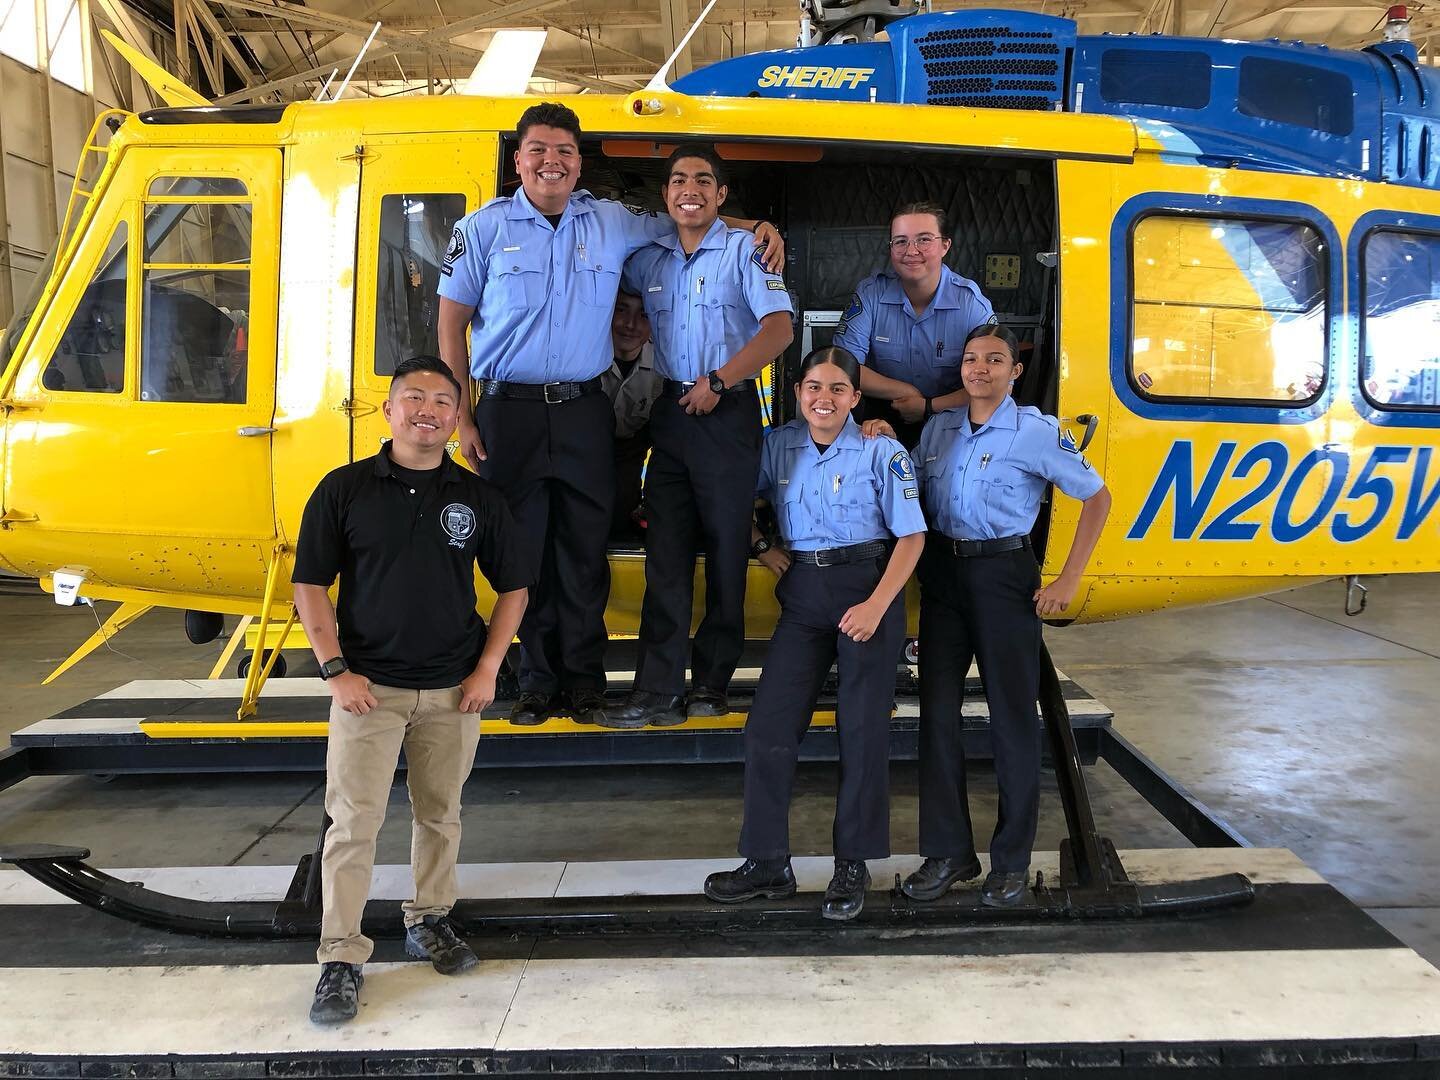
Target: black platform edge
{"x": 1347, "y": 1058}
{"x": 61, "y": 755}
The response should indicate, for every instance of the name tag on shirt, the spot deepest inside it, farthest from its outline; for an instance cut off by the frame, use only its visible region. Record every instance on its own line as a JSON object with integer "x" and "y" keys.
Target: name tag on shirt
{"x": 655, "y": 288}
{"x": 884, "y": 339}
{"x": 514, "y": 247}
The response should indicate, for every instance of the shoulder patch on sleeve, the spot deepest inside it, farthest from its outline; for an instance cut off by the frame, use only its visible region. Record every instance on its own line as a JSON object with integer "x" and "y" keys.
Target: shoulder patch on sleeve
{"x": 757, "y": 256}
{"x": 638, "y": 211}
{"x": 1067, "y": 442}
{"x": 912, "y": 493}
{"x": 902, "y": 468}
{"x": 775, "y": 284}
{"x": 853, "y": 308}
{"x": 453, "y": 250}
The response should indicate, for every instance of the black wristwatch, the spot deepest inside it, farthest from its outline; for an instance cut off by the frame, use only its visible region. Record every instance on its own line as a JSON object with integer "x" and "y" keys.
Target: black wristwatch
{"x": 336, "y": 666}
{"x": 929, "y": 408}
{"x": 759, "y": 547}
{"x": 717, "y": 384}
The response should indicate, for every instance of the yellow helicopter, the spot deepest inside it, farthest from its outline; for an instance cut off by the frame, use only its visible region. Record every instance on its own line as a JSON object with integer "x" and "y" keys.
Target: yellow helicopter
{"x": 1223, "y": 257}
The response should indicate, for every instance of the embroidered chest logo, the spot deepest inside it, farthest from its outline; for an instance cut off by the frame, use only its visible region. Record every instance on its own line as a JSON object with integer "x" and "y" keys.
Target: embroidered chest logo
{"x": 459, "y": 522}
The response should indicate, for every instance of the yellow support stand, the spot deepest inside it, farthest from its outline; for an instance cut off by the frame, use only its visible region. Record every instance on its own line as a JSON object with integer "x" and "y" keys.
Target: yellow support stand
{"x": 259, "y": 671}
{"x": 236, "y": 638}
{"x": 124, "y": 615}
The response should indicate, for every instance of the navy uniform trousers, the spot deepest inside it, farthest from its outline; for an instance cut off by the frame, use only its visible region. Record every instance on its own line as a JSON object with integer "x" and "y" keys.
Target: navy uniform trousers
{"x": 979, "y": 608}
{"x": 555, "y": 466}
{"x": 699, "y": 491}
{"x": 806, "y": 643}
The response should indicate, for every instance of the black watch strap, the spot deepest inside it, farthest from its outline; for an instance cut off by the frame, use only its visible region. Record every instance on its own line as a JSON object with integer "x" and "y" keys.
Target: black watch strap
{"x": 717, "y": 384}
{"x": 760, "y": 547}
{"x": 334, "y": 666}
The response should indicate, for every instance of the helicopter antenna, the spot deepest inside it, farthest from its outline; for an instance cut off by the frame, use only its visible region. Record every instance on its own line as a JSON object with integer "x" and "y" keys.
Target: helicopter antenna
{"x": 358, "y": 57}
{"x": 657, "y": 81}
{"x": 321, "y": 92}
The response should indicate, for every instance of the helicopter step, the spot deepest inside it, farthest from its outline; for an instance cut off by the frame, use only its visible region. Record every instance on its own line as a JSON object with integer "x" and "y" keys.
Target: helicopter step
{"x": 1297, "y": 983}
{"x": 146, "y": 725}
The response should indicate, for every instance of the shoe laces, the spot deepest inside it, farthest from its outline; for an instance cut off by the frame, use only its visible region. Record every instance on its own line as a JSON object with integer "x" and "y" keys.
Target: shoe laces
{"x": 333, "y": 977}
{"x": 848, "y": 874}
{"x": 440, "y": 926}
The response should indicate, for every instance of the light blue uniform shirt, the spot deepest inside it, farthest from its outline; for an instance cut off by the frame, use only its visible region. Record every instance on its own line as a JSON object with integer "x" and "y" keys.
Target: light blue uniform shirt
{"x": 543, "y": 297}
{"x": 982, "y": 485}
{"x": 859, "y": 489}
{"x": 880, "y": 329}
{"x": 703, "y": 308}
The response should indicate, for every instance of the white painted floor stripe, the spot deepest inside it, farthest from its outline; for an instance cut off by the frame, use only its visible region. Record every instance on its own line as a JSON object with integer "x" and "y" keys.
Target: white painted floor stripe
{"x": 662, "y": 877}
{"x": 655, "y": 1003}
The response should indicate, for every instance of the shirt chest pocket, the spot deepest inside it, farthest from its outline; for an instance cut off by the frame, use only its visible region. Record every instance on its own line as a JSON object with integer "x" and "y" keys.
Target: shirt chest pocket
{"x": 887, "y": 353}
{"x": 519, "y": 279}
{"x": 849, "y": 507}
{"x": 659, "y": 309}
{"x": 1004, "y": 493}
{"x": 597, "y": 283}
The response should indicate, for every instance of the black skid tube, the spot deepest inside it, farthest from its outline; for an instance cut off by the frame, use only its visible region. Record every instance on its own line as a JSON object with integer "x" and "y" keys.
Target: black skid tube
{"x": 64, "y": 870}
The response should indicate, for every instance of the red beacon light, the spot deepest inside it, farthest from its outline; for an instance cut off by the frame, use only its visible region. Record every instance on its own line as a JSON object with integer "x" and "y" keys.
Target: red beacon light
{"x": 1397, "y": 24}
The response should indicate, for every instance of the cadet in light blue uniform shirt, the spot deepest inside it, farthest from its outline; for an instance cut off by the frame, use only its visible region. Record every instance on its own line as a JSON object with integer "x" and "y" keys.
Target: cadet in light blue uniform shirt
{"x": 983, "y": 470}
{"x": 907, "y": 324}
{"x": 531, "y": 281}
{"x": 842, "y": 502}
{"x": 544, "y": 296}
{"x": 717, "y": 317}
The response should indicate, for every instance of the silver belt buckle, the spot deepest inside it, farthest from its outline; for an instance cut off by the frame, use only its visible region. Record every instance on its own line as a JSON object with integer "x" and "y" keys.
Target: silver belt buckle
{"x": 548, "y": 399}
{"x": 820, "y": 559}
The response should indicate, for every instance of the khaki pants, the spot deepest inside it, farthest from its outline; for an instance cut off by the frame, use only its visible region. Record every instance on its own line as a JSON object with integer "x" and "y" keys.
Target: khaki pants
{"x": 439, "y": 742}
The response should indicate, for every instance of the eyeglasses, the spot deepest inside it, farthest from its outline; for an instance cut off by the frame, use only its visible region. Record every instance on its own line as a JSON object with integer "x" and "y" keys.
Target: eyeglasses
{"x": 923, "y": 242}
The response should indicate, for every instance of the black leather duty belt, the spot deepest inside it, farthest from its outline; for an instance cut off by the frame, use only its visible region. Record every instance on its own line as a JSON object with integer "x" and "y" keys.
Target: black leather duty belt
{"x": 676, "y": 389}
{"x": 552, "y": 393}
{"x": 968, "y": 549}
{"x": 871, "y": 549}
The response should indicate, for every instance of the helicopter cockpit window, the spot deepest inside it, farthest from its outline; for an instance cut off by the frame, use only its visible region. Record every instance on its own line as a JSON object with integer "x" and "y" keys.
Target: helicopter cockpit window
{"x": 196, "y": 292}
{"x": 91, "y": 355}
{"x": 414, "y": 232}
{"x": 1228, "y": 310}
{"x": 1401, "y": 325}
{"x": 196, "y": 185}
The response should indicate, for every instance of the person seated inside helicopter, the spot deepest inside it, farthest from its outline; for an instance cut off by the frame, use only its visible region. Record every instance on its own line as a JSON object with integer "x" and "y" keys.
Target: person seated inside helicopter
{"x": 632, "y": 385}
{"x": 907, "y": 324}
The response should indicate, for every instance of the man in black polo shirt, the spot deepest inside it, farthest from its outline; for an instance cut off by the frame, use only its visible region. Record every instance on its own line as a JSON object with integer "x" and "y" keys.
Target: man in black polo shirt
{"x": 411, "y": 665}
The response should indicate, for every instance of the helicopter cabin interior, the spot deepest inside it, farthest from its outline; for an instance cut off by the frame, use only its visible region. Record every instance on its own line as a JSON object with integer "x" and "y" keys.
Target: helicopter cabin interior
{"x": 831, "y": 201}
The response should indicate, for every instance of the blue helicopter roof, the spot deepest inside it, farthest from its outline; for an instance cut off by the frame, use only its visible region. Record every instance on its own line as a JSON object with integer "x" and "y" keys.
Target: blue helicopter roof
{"x": 1284, "y": 106}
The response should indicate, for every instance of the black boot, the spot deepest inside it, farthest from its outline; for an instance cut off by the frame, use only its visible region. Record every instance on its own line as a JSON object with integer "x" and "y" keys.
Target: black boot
{"x": 707, "y": 701}
{"x": 587, "y": 706}
{"x": 531, "y": 708}
{"x": 935, "y": 877}
{"x": 1004, "y": 889}
{"x": 643, "y": 707}
{"x": 845, "y": 897}
{"x": 771, "y": 878}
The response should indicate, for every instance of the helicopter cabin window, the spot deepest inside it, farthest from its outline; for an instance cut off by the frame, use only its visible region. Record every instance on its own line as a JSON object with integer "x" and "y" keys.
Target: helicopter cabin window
{"x": 1227, "y": 310}
{"x": 91, "y": 355}
{"x": 195, "y": 291}
{"x": 1298, "y": 94}
{"x": 1179, "y": 79}
{"x": 1400, "y": 328}
{"x": 414, "y": 232}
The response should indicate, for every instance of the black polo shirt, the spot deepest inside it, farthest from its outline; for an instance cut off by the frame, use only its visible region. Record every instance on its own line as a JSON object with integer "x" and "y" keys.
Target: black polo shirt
{"x": 405, "y": 554}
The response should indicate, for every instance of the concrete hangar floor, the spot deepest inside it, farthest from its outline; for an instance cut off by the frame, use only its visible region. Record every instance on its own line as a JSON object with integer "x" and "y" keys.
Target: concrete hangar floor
{"x": 1299, "y": 728}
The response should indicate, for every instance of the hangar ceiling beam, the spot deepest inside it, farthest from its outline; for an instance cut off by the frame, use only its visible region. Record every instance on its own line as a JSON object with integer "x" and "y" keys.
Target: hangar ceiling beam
{"x": 1216, "y": 15}
{"x": 675, "y": 18}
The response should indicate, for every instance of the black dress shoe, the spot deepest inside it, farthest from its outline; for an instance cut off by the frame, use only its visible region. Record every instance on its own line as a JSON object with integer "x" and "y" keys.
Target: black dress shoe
{"x": 771, "y": 878}
{"x": 935, "y": 876}
{"x": 643, "y": 707}
{"x": 531, "y": 708}
{"x": 845, "y": 896}
{"x": 587, "y": 706}
{"x": 1004, "y": 889}
{"x": 707, "y": 701}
